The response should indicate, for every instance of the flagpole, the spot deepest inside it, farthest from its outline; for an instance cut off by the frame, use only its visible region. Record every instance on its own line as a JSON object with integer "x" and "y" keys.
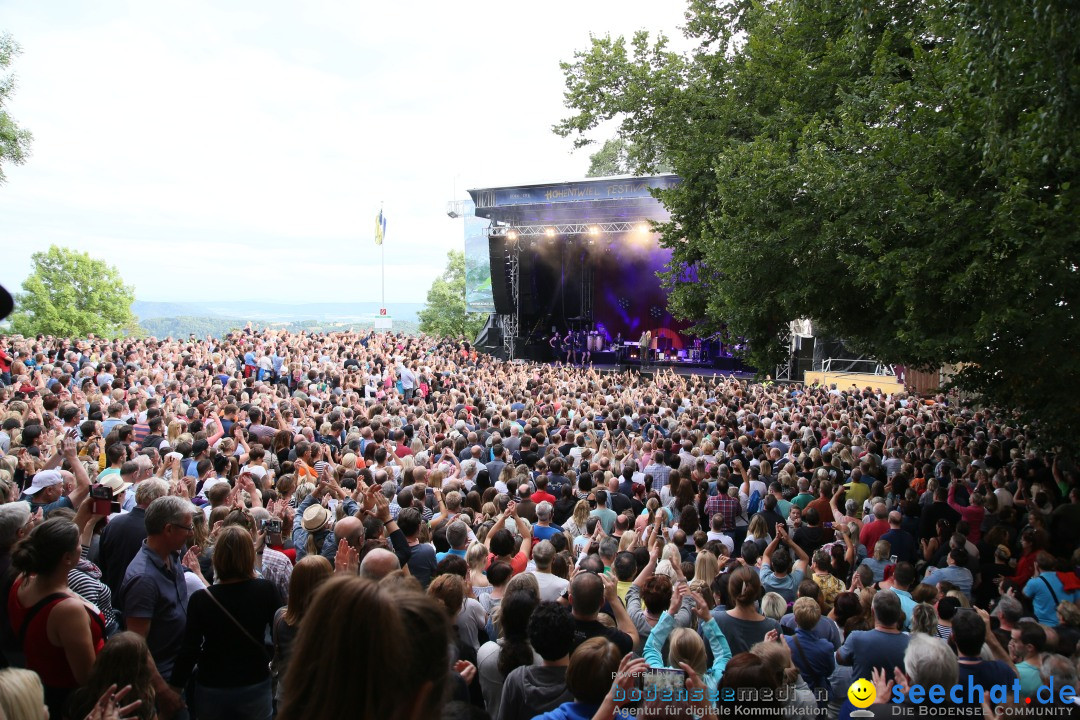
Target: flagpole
{"x": 382, "y": 247}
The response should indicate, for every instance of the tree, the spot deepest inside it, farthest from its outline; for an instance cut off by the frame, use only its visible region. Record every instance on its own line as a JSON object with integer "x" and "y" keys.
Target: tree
{"x": 14, "y": 141}
{"x": 70, "y": 294}
{"x": 445, "y": 313}
{"x": 904, "y": 174}
{"x": 621, "y": 157}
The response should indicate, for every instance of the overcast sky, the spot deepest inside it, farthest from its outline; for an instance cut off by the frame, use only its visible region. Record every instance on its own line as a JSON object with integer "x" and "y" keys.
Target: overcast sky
{"x": 241, "y": 149}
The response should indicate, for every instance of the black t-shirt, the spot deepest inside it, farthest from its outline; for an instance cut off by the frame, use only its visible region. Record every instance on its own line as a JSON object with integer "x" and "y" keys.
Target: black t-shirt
{"x": 226, "y": 656}
{"x": 618, "y": 502}
{"x": 585, "y": 629}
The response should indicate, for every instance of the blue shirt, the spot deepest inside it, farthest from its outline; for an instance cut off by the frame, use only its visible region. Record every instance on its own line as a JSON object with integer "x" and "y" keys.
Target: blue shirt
{"x": 906, "y": 604}
{"x": 1043, "y": 599}
{"x": 958, "y": 576}
{"x": 826, "y": 629}
{"x": 158, "y": 593}
{"x": 541, "y": 532}
{"x": 571, "y": 711}
{"x": 813, "y": 655}
{"x": 439, "y": 556}
{"x": 865, "y": 650}
{"x": 786, "y": 587}
{"x": 46, "y": 508}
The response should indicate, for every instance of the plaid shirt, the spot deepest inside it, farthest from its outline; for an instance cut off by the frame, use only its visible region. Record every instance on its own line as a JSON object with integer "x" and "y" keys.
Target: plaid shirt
{"x": 726, "y": 506}
{"x": 278, "y": 570}
{"x": 660, "y": 473}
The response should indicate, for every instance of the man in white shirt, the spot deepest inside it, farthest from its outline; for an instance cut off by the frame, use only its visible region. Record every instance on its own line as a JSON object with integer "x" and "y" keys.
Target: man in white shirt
{"x": 716, "y": 532}
{"x": 551, "y": 586}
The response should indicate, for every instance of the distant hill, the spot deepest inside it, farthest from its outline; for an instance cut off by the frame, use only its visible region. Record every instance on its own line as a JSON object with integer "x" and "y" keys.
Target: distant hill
{"x": 274, "y": 312}
{"x": 179, "y": 319}
{"x": 184, "y": 325}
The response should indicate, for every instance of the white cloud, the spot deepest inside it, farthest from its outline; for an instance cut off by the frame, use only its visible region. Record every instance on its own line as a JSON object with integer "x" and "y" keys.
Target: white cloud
{"x": 247, "y": 149}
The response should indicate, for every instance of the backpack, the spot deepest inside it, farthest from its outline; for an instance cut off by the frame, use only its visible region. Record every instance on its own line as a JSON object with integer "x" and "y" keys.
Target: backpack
{"x": 753, "y": 505}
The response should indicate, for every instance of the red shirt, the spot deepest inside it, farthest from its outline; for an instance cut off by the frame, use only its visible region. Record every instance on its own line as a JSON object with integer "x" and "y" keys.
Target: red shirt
{"x": 518, "y": 563}
{"x": 542, "y": 496}
{"x": 824, "y": 510}
{"x": 47, "y": 660}
{"x": 872, "y": 532}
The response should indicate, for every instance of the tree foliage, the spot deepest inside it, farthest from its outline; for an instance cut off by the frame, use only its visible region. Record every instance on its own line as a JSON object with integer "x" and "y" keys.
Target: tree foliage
{"x": 618, "y": 156}
{"x": 444, "y": 313}
{"x": 70, "y": 294}
{"x": 14, "y": 141}
{"x": 903, "y": 174}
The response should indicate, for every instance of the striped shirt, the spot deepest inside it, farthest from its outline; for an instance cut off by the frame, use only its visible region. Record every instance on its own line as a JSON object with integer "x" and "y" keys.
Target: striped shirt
{"x": 85, "y": 581}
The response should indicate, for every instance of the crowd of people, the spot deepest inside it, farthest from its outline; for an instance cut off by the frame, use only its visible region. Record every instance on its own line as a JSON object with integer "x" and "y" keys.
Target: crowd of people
{"x": 374, "y": 525}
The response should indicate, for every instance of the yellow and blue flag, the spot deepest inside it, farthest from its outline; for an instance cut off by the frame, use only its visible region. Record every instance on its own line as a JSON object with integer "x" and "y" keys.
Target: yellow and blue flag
{"x": 380, "y": 227}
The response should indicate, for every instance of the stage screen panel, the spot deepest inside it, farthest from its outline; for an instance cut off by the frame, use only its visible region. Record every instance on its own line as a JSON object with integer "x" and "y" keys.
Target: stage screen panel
{"x": 478, "y": 296}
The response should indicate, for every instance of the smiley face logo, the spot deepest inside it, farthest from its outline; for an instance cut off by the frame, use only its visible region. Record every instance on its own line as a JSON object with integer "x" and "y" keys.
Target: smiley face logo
{"x": 862, "y": 693}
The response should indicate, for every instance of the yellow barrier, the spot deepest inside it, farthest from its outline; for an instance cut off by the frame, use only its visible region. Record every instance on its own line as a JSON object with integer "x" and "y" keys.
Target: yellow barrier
{"x": 846, "y": 381}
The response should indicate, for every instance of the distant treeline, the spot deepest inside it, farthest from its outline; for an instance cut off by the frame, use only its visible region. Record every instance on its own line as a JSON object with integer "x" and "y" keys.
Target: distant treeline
{"x": 184, "y": 325}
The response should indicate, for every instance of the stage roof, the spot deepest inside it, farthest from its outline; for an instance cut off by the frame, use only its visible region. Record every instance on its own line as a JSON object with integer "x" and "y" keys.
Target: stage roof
{"x": 609, "y": 199}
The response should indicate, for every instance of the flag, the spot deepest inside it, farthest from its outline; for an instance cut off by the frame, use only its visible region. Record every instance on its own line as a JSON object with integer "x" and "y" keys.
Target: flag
{"x": 380, "y": 227}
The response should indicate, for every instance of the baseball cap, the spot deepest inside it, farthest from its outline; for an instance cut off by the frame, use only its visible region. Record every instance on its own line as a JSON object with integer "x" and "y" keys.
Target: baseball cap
{"x": 44, "y": 479}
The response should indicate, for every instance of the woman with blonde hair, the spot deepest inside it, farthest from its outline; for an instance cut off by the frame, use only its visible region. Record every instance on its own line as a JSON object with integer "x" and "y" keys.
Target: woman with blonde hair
{"x": 686, "y": 645}
{"x": 774, "y": 606}
{"x": 777, "y": 656}
{"x": 176, "y": 429}
{"x": 476, "y": 557}
{"x": 575, "y": 526}
{"x": 706, "y": 567}
{"x": 758, "y": 532}
{"x": 22, "y": 696}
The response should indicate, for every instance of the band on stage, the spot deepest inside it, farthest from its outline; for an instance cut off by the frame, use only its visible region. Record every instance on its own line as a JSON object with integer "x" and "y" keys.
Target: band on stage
{"x": 576, "y": 347}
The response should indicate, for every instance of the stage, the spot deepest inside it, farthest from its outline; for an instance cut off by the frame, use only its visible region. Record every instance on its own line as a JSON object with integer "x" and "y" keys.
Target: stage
{"x": 581, "y": 258}
{"x": 683, "y": 370}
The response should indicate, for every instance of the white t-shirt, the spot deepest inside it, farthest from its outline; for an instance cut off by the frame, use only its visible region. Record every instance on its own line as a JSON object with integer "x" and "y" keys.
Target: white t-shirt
{"x": 551, "y": 586}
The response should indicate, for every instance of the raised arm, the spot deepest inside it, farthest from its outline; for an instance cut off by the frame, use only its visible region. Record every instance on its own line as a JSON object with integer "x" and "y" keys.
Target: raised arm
{"x": 525, "y": 530}
{"x": 834, "y": 503}
{"x": 82, "y": 480}
{"x": 622, "y": 618}
{"x": 719, "y": 644}
{"x": 219, "y": 431}
{"x": 766, "y": 557}
{"x": 499, "y": 525}
{"x": 799, "y": 552}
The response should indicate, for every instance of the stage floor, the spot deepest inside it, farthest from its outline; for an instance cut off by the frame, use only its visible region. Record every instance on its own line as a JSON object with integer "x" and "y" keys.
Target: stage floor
{"x": 685, "y": 370}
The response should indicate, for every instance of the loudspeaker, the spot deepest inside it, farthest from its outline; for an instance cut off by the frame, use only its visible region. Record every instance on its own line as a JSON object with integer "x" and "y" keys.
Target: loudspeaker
{"x": 500, "y": 283}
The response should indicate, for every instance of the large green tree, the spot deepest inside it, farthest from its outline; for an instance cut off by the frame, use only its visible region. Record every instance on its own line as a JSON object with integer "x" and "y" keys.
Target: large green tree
{"x": 902, "y": 173}
{"x": 70, "y": 294}
{"x": 14, "y": 141}
{"x": 444, "y": 313}
{"x": 618, "y": 156}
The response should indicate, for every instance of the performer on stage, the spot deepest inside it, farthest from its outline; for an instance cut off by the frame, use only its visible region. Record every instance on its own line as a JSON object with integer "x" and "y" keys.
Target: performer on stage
{"x": 568, "y": 347}
{"x": 645, "y": 344}
{"x": 583, "y": 348}
{"x": 555, "y": 343}
{"x": 620, "y": 350}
